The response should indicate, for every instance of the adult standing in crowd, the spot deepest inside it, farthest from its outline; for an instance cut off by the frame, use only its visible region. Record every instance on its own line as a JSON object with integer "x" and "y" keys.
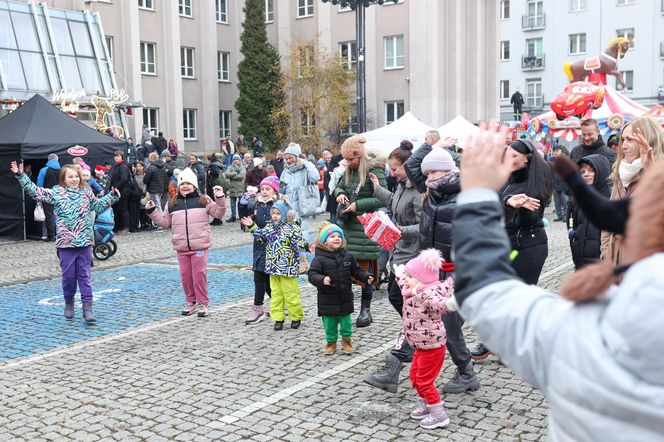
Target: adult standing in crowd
{"x": 228, "y": 150}
{"x": 278, "y": 162}
{"x": 256, "y": 174}
{"x": 197, "y": 167}
{"x": 169, "y": 166}
{"x": 159, "y": 143}
{"x": 241, "y": 145}
{"x": 517, "y": 102}
{"x": 247, "y": 162}
{"x": 356, "y": 191}
{"x": 297, "y": 173}
{"x": 173, "y": 149}
{"x": 215, "y": 177}
{"x": 591, "y": 143}
{"x": 121, "y": 180}
{"x": 48, "y": 177}
{"x": 559, "y": 189}
{"x": 155, "y": 180}
{"x": 257, "y": 146}
{"x": 331, "y": 206}
{"x": 235, "y": 175}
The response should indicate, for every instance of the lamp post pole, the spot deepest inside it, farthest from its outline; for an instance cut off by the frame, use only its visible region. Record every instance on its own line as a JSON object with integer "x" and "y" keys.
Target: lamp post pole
{"x": 360, "y": 41}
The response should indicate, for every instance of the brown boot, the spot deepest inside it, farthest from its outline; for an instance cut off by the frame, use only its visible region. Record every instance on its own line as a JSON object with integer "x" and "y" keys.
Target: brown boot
{"x": 330, "y": 348}
{"x": 346, "y": 345}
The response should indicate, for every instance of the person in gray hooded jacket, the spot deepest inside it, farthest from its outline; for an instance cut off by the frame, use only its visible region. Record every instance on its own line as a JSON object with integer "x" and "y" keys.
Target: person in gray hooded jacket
{"x": 593, "y": 361}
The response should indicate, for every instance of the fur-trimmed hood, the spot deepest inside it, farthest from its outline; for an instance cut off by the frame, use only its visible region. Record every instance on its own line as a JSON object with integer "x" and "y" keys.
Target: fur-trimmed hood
{"x": 376, "y": 159}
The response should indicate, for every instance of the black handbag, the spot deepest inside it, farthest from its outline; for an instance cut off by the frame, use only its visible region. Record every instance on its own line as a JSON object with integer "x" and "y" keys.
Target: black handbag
{"x": 345, "y": 217}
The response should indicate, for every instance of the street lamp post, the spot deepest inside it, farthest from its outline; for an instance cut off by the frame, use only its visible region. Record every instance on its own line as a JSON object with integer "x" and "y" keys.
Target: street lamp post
{"x": 360, "y": 40}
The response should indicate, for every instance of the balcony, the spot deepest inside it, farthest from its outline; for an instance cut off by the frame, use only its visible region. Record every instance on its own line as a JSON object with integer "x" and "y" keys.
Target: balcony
{"x": 532, "y": 63}
{"x": 533, "y": 22}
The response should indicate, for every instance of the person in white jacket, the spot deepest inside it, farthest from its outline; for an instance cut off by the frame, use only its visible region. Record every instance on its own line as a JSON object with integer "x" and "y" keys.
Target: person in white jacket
{"x": 297, "y": 174}
{"x": 597, "y": 362}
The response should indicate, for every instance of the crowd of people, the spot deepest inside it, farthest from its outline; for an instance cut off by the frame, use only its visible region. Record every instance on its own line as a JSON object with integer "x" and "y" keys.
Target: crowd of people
{"x": 441, "y": 272}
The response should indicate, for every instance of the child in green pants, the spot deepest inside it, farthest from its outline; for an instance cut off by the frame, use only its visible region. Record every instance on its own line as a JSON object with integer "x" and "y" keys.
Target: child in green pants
{"x": 331, "y": 272}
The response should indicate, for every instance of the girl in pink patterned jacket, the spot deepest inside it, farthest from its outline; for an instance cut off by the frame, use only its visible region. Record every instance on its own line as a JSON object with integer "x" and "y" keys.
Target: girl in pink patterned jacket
{"x": 187, "y": 213}
{"x": 425, "y": 300}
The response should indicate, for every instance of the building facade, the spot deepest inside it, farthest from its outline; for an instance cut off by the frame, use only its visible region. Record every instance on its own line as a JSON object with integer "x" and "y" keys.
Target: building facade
{"x": 179, "y": 58}
{"x": 538, "y": 36}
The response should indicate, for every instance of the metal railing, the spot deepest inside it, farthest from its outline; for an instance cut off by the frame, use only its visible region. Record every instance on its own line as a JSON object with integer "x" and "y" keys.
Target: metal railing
{"x": 532, "y": 62}
{"x": 529, "y": 22}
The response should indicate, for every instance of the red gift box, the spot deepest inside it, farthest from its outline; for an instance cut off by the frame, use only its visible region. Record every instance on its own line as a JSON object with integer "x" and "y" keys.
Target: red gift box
{"x": 380, "y": 229}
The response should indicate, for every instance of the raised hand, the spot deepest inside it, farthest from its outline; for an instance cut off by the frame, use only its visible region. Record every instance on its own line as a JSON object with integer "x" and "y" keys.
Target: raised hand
{"x": 645, "y": 149}
{"x": 218, "y": 192}
{"x": 14, "y": 167}
{"x": 246, "y": 221}
{"x": 374, "y": 180}
{"x": 446, "y": 142}
{"x": 484, "y": 165}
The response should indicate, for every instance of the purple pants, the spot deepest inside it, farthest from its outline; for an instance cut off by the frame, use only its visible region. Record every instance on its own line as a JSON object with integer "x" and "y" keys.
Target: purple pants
{"x": 76, "y": 264}
{"x": 193, "y": 273}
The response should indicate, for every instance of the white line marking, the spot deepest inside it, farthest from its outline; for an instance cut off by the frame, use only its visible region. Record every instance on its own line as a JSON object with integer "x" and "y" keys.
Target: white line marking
{"x": 53, "y": 300}
{"x": 284, "y": 393}
{"x": 556, "y": 270}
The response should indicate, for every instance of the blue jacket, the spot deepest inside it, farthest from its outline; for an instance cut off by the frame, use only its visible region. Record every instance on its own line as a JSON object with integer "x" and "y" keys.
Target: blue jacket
{"x": 51, "y": 164}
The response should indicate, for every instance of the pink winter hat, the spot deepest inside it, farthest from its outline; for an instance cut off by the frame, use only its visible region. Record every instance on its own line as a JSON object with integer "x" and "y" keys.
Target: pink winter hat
{"x": 272, "y": 182}
{"x": 426, "y": 267}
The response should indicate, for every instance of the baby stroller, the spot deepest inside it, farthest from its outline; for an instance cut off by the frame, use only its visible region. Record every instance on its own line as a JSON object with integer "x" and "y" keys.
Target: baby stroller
{"x": 104, "y": 246}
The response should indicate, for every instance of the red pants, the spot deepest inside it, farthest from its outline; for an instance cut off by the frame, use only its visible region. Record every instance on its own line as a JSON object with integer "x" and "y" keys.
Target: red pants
{"x": 193, "y": 273}
{"x": 424, "y": 370}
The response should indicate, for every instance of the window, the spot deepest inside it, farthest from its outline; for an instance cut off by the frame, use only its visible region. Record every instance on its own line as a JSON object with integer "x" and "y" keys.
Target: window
{"x": 308, "y": 119}
{"x": 221, "y": 11}
{"x": 348, "y": 53}
{"x": 306, "y": 54}
{"x": 504, "y": 9}
{"x": 269, "y": 11}
{"x": 504, "y": 89}
{"x": 189, "y": 123}
{"x": 148, "y": 65}
{"x": 224, "y": 124}
{"x": 185, "y": 8}
{"x": 394, "y": 52}
{"x": 534, "y": 8}
{"x": 109, "y": 45}
{"x": 146, "y": 4}
{"x": 151, "y": 118}
{"x": 577, "y": 44}
{"x": 534, "y": 96}
{"x": 534, "y": 47}
{"x": 187, "y": 62}
{"x": 628, "y": 33}
{"x": 534, "y": 18}
{"x": 224, "y": 66}
{"x": 505, "y": 50}
{"x": 393, "y": 111}
{"x": 305, "y": 8}
{"x": 628, "y": 76}
{"x": 578, "y": 5}
{"x": 624, "y": 2}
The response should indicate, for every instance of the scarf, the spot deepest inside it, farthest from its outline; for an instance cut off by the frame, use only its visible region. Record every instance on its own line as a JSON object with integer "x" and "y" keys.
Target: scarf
{"x": 295, "y": 167}
{"x": 629, "y": 171}
{"x": 442, "y": 180}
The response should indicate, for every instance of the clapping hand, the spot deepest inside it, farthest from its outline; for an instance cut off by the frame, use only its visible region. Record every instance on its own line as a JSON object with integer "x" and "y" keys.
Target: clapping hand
{"x": 246, "y": 221}
{"x": 374, "y": 180}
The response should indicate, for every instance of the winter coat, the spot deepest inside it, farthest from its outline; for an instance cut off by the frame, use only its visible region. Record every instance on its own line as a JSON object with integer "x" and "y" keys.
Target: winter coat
{"x": 155, "y": 178}
{"x": 297, "y": 176}
{"x": 612, "y": 244}
{"x": 189, "y": 220}
{"x": 598, "y": 147}
{"x": 584, "y": 236}
{"x": 525, "y": 228}
{"x": 49, "y": 175}
{"x": 335, "y": 299}
{"x": 169, "y": 167}
{"x": 235, "y": 176}
{"x": 140, "y": 182}
{"x": 422, "y": 309}
{"x": 199, "y": 171}
{"x": 120, "y": 178}
{"x": 261, "y": 212}
{"x": 278, "y": 166}
{"x": 255, "y": 176}
{"x": 216, "y": 176}
{"x": 593, "y": 361}
{"x": 72, "y": 207}
{"x": 283, "y": 243}
{"x": 406, "y": 205}
{"x": 361, "y": 247}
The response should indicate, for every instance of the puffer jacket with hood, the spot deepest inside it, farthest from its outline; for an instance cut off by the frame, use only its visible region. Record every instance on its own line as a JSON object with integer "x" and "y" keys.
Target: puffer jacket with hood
{"x": 297, "y": 176}
{"x": 585, "y": 237}
{"x": 283, "y": 244}
{"x": 261, "y": 208}
{"x": 49, "y": 175}
{"x": 155, "y": 178}
{"x": 188, "y": 218}
{"x": 235, "y": 176}
{"x": 361, "y": 247}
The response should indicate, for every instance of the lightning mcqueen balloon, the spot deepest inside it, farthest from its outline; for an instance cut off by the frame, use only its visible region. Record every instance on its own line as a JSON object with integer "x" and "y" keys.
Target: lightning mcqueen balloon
{"x": 578, "y": 100}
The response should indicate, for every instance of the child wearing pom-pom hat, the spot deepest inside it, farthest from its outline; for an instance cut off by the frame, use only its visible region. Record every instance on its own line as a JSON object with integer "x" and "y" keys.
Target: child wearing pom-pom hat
{"x": 425, "y": 300}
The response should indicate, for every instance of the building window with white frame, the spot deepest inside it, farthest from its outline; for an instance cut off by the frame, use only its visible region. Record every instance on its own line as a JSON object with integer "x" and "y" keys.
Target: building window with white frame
{"x": 504, "y": 50}
{"x": 628, "y": 77}
{"x": 185, "y": 8}
{"x": 308, "y": 120}
{"x": 393, "y": 111}
{"x": 504, "y": 89}
{"x": 224, "y": 124}
{"x": 224, "y": 66}
{"x": 394, "y": 56}
{"x": 348, "y": 54}
{"x": 578, "y": 5}
{"x": 187, "y": 63}
{"x": 534, "y": 97}
{"x": 148, "y": 62}
{"x": 151, "y": 118}
{"x": 305, "y": 8}
{"x": 189, "y": 123}
{"x": 109, "y": 46}
{"x": 146, "y": 4}
{"x": 577, "y": 44}
{"x": 504, "y": 9}
{"x": 628, "y": 33}
{"x": 269, "y": 11}
{"x": 221, "y": 11}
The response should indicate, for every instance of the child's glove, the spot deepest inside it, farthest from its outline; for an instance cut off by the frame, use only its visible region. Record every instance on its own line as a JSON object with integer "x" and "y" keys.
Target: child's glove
{"x": 218, "y": 192}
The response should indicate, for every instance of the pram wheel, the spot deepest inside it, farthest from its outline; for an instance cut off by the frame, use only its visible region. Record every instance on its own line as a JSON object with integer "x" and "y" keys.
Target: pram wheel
{"x": 113, "y": 245}
{"x": 103, "y": 251}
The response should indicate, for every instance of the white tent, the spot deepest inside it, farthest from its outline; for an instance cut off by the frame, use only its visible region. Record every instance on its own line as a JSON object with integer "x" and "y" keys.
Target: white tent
{"x": 459, "y": 128}
{"x": 387, "y": 138}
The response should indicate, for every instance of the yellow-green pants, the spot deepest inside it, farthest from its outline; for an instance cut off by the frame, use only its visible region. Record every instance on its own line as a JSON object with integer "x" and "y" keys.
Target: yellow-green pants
{"x": 285, "y": 289}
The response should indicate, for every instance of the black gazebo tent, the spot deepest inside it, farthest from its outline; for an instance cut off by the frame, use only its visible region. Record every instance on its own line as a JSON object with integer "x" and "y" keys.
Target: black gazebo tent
{"x": 31, "y": 133}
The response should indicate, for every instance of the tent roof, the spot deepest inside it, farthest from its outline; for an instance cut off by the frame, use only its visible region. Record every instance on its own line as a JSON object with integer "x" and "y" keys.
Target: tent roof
{"x": 388, "y": 137}
{"x": 459, "y": 128}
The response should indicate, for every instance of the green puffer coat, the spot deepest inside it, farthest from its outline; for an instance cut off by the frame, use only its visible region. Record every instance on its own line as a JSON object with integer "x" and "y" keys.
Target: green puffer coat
{"x": 235, "y": 176}
{"x": 361, "y": 247}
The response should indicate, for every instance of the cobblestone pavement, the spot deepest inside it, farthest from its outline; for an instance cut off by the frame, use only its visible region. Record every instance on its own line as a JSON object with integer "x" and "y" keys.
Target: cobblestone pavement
{"x": 145, "y": 373}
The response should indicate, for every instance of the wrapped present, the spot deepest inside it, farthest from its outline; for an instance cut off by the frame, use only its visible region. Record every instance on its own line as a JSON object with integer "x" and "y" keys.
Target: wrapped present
{"x": 380, "y": 229}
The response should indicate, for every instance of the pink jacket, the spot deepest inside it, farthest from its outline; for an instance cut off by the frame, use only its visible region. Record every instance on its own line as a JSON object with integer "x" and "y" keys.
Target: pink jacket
{"x": 421, "y": 313}
{"x": 189, "y": 221}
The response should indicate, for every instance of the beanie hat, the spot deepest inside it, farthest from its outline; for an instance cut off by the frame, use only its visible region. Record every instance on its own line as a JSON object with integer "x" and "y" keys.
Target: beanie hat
{"x": 237, "y": 157}
{"x": 426, "y": 267}
{"x": 328, "y": 229}
{"x": 165, "y": 154}
{"x": 188, "y": 176}
{"x": 438, "y": 159}
{"x": 176, "y": 173}
{"x": 282, "y": 207}
{"x": 257, "y": 161}
{"x": 353, "y": 147}
{"x": 294, "y": 150}
{"x": 272, "y": 182}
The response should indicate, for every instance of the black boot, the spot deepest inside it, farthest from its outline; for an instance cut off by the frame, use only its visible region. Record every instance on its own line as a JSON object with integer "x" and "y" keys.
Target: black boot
{"x": 464, "y": 380}
{"x": 87, "y": 312}
{"x": 480, "y": 352}
{"x": 364, "y": 319}
{"x": 387, "y": 377}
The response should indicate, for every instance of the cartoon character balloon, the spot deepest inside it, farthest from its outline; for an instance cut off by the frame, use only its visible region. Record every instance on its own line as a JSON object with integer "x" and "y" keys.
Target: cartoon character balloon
{"x": 578, "y": 100}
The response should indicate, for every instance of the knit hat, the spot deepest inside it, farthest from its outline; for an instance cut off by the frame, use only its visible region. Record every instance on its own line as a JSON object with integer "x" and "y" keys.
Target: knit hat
{"x": 237, "y": 157}
{"x": 353, "y": 147}
{"x": 257, "y": 161}
{"x": 176, "y": 173}
{"x": 165, "y": 154}
{"x": 282, "y": 207}
{"x": 294, "y": 150}
{"x": 438, "y": 159}
{"x": 272, "y": 182}
{"x": 328, "y": 229}
{"x": 188, "y": 176}
{"x": 426, "y": 267}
